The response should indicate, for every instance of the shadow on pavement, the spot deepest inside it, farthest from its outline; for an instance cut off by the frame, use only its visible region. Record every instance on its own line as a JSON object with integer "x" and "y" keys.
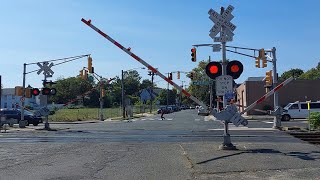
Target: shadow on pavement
{"x": 313, "y": 155}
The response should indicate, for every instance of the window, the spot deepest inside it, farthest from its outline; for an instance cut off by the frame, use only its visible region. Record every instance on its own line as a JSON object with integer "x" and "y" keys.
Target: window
{"x": 304, "y": 106}
{"x": 314, "y": 105}
{"x": 294, "y": 106}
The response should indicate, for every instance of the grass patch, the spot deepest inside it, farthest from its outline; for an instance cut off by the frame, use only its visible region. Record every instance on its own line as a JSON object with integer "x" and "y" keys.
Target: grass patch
{"x": 82, "y": 114}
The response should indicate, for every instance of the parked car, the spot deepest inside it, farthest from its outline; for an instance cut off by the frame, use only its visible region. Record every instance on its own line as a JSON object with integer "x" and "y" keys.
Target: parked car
{"x": 16, "y": 114}
{"x": 299, "y": 110}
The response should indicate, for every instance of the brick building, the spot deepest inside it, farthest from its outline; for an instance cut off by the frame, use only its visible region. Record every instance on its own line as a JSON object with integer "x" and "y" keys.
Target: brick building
{"x": 297, "y": 90}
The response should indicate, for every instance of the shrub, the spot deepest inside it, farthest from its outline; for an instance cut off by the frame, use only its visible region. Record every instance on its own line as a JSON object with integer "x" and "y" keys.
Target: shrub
{"x": 314, "y": 120}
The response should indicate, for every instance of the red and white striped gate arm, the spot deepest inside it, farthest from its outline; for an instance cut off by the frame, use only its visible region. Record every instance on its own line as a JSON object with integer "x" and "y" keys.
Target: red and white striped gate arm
{"x": 267, "y": 95}
{"x": 143, "y": 62}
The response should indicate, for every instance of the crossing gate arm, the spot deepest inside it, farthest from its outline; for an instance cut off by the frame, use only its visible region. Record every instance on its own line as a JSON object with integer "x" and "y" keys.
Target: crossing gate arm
{"x": 267, "y": 95}
{"x": 151, "y": 68}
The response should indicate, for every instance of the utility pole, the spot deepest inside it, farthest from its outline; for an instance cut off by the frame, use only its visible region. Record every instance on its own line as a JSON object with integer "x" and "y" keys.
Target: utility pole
{"x": 122, "y": 96}
{"x": 151, "y": 92}
{"x": 0, "y": 91}
{"x": 101, "y": 99}
{"x": 168, "y": 92}
{"x": 277, "y": 117}
{"x": 22, "y": 123}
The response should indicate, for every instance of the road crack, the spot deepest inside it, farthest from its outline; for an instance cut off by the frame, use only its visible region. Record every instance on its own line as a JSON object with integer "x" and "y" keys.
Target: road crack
{"x": 191, "y": 165}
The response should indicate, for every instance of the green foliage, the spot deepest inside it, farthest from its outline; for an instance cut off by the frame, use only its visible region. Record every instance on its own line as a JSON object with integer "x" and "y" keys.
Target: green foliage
{"x": 313, "y": 73}
{"x": 163, "y": 96}
{"x": 69, "y": 88}
{"x": 295, "y": 73}
{"x": 314, "y": 120}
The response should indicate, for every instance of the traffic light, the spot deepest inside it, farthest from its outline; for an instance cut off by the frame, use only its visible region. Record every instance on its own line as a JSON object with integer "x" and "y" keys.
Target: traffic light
{"x": 90, "y": 68}
{"x": 269, "y": 77}
{"x": 193, "y": 54}
{"x": 18, "y": 90}
{"x": 214, "y": 69}
{"x": 234, "y": 69}
{"x": 264, "y": 63}
{"x": 258, "y": 62}
{"x": 170, "y": 76}
{"x": 85, "y": 76}
{"x": 192, "y": 75}
{"x": 103, "y": 92}
{"x": 262, "y": 56}
{"x": 178, "y": 75}
{"x": 81, "y": 74}
{"x": 35, "y": 91}
{"x": 28, "y": 93}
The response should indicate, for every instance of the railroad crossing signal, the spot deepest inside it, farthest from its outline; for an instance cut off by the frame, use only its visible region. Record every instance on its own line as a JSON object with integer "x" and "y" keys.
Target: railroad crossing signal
{"x": 234, "y": 69}
{"x": 194, "y": 54}
{"x": 269, "y": 77}
{"x": 226, "y": 33}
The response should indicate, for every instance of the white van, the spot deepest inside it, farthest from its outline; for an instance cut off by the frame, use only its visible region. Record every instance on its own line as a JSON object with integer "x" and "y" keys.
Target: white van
{"x": 299, "y": 110}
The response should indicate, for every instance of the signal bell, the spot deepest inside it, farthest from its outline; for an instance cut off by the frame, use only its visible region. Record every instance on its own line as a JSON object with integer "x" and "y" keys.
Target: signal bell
{"x": 214, "y": 69}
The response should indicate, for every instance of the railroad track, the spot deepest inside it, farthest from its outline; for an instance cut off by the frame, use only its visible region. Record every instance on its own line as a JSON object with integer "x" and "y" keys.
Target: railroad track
{"x": 312, "y": 137}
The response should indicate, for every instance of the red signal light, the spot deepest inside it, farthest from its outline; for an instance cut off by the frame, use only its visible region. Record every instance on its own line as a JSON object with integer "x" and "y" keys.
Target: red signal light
{"x": 213, "y": 69}
{"x": 234, "y": 69}
{"x": 46, "y": 91}
{"x": 35, "y": 91}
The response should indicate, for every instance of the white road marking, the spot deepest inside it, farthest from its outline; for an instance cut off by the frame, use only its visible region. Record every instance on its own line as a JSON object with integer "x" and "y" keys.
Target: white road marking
{"x": 244, "y": 128}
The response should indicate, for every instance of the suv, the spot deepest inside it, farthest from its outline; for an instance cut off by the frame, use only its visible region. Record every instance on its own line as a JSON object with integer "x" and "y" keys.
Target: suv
{"x": 16, "y": 114}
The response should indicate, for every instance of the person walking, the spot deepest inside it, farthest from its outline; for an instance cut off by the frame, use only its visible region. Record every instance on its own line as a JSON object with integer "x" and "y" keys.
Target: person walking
{"x": 162, "y": 113}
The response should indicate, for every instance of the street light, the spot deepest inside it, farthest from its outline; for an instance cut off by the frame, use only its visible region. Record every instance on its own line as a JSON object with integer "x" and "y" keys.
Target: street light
{"x": 122, "y": 89}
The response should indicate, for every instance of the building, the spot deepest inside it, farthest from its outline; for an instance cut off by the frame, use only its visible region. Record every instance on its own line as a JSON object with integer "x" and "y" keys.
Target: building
{"x": 297, "y": 90}
{"x": 10, "y": 100}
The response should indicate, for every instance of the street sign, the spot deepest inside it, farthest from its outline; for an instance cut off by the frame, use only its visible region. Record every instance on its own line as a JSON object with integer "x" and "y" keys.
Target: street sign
{"x": 46, "y": 68}
{"x": 216, "y": 47}
{"x": 229, "y": 95}
{"x": 203, "y": 83}
{"x": 222, "y": 25}
{"x": 224, "y": 84}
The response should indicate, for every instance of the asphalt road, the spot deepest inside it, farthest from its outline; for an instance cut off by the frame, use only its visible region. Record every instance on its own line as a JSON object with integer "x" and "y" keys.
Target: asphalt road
{"x": 183, "y": 146}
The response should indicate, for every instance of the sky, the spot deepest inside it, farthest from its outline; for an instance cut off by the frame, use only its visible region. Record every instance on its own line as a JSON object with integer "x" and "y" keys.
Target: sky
{"x": 160, "y": 32}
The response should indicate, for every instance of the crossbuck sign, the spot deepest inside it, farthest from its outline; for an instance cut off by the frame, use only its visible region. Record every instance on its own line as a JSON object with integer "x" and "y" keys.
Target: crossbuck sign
{"x": 222, "y": 25}
{"x": 46, "y": 68}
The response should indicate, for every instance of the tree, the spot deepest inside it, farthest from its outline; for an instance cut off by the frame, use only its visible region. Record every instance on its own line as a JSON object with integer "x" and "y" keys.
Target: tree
{"x": 69, "y": 88}
{"x": 146, "y": 84}
{"x": 313, "y": 73}
{"x": 200, "y": 91}
{"x": 163, "y": 97}
{"x": 295, "y": 73}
